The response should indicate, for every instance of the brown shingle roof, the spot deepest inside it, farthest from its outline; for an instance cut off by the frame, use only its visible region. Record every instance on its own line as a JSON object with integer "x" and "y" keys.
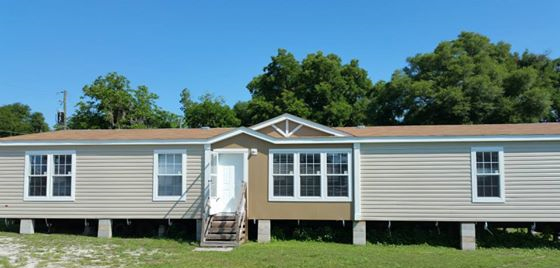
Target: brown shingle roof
{"x": 122, "y": 134}
{"x": 455, "y": 130}
{"x": 380, "y": 131}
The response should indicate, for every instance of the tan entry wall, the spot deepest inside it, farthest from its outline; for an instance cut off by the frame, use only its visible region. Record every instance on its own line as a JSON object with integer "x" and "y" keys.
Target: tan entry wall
{"x": 260, "y": 208}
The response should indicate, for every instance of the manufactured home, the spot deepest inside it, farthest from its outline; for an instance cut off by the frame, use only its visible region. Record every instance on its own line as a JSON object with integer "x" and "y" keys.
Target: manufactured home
{"x": 286, "y": 168}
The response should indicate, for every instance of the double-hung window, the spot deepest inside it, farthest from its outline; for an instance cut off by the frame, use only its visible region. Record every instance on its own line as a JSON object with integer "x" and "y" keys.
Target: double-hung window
{"x": 283, "y": 174}
{"x": 50, "y": 176}
{"x": 487, "y": 164}
{"x": 310, "y": 175}
{"x": 337, "y": 174}
{"x": 170, "y": 172}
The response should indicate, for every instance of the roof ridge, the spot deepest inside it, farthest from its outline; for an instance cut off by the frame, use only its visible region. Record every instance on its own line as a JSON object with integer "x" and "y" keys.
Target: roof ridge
{"x": 450, "y": 125}
{"x": 130, "y": 129}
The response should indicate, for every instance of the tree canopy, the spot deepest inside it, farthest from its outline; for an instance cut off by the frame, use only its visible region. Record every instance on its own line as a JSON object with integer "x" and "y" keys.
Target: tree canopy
{"x": 17, "y": 118}
{"x": 320, "y": 88}
{"x": 469, "y": 80}
{"x": 110, "y": 103}
{"x": 210, "y": 111}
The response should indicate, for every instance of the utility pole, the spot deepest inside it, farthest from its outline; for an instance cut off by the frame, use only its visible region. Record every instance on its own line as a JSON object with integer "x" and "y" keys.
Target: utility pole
{"x": 64, "y": 107}
{"x": 61, "y": 116}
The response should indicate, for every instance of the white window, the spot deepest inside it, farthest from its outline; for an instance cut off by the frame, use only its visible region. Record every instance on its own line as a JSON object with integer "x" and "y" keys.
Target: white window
{"x": 487, "y": 164}
{"x": 170, "y": 173}
{"x": 50, "y": 176}
{"x": 337, "y": 174}
{"x": 283, "y": 174}
{"x": 310, "y": 175}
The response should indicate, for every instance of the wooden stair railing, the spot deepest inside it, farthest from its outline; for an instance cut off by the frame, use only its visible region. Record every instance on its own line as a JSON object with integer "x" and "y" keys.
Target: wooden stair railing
{"x": 226, "y": 229}
{"x": 241, "y": 214}
{"x": 206, "y": 221}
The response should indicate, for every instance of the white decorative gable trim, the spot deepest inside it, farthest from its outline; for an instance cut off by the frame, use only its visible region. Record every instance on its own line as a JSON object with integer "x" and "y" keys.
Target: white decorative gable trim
{"x": 286, "y": 132}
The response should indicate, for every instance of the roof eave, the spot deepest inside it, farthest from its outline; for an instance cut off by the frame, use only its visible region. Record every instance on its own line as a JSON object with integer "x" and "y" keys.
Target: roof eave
{"x": 293, "y": 141}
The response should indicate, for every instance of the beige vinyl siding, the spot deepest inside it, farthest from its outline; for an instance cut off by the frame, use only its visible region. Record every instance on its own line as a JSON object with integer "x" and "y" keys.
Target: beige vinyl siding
{"x": 432, "y": 182}
{"x": 111, "y": 182}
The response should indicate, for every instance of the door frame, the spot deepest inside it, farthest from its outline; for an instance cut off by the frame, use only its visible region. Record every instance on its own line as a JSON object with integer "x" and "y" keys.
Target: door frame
{"x": 244, "y": 152}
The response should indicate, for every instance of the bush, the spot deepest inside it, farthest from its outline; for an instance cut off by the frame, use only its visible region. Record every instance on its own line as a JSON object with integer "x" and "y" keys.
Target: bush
{"x": 321, "y": 231}
{"x": 8, "y": 225}
{"x": 411, "y": 233}
{"x": 514, "y": 238}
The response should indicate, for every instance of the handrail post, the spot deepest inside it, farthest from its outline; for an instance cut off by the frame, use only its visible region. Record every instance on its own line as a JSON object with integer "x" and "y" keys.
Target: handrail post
{"x": 205, "y": 220}
{"x": 240, "y": 213}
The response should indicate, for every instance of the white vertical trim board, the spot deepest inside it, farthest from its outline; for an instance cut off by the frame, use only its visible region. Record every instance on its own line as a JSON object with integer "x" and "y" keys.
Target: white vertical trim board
{"x": 474, "y": 181}
{"x": 357, "y": 182}
{"x": 207, "y": 171}
{"x": 183, "y": 196}
{"x": 246, "y": 166}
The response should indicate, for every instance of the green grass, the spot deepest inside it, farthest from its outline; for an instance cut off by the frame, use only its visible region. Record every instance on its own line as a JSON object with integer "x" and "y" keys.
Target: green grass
{"x": 79, "y": 251}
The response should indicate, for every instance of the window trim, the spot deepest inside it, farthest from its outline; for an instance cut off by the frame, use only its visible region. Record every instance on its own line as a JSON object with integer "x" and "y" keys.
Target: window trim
{"x": 297, "y": 195}
{"x": 474, "y": 174}
{"x": 50, "y": 176}
{"x": 294, "y": 175}
{"x": 322, "y": 179}
{"x": 155, "y": 179}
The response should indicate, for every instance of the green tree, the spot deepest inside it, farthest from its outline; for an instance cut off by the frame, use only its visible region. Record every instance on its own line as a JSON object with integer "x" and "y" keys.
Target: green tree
{"x": 110, "y": 103}
{"x": 320, "y": 88}
{"x": 210, "y": 111}
{"x": 18, "y": 119}
{"x": 469, "y": 80}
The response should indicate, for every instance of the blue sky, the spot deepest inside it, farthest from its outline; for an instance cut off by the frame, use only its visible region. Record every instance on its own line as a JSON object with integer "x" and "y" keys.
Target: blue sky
{"x": 218, "y": 46}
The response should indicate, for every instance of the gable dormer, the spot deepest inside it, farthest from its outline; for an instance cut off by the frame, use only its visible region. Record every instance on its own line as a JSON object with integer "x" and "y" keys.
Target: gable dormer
{"x": 290, "y": 126}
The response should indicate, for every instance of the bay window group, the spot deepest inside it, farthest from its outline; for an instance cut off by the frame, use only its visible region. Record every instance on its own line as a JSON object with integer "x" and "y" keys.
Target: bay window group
{"x": 310, "y": 175}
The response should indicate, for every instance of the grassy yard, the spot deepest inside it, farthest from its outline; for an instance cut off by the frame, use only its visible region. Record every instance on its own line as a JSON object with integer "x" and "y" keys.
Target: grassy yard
{"x": 54, "y": 250}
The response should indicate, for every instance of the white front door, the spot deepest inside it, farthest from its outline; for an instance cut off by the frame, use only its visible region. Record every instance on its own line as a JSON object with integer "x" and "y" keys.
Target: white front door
{"x": 229, "y": 178}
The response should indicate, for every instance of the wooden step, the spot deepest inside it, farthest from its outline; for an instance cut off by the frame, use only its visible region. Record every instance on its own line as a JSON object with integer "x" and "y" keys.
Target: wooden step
{"x": 219, "y": 244}
{"x": 222, "y": 230}
{"x": 222, "y": 224}
{"x": 224, "y": 218}
{"x": 221, "y": 237}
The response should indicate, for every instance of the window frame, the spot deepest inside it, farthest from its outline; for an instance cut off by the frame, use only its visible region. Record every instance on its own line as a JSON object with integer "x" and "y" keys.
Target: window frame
{"x": 50, "y": 176}
{"x": 474, "y": 175}
{"x": 293, "y": 175}
{"x": 297, "y": 175}
{"x": 321, "y": 179}
{"x": 155, "y": 186}
{"x": 337, "y": 174}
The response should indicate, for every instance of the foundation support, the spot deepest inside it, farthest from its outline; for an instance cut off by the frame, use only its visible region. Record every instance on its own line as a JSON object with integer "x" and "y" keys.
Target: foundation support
{"x": 161, "y": 230}
{"x": 198, "y": 230}
{"x": 468, "y": 236}
{"x": 263, "y": 235}
{"x": 87, "y": 230}
{"x": 26, "y": 226}
{"x": 359, "y": 233}
{"x": 105, "y": 229}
